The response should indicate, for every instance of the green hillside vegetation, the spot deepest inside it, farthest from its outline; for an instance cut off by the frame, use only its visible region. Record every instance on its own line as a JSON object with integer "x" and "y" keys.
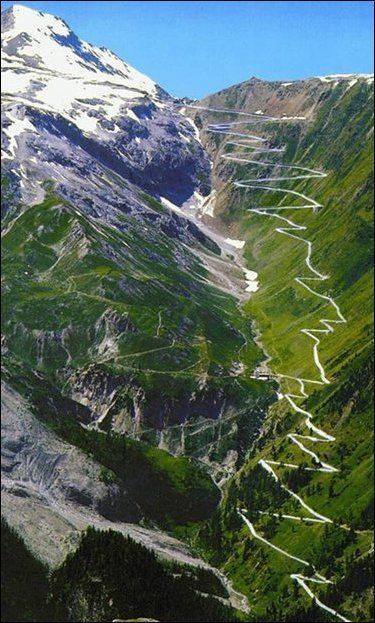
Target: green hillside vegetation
{"x": 87, "y": 306}
{"x": 125, "y": 310}
{"x": 60, "y": 270}
{"x": 339, "y": 142}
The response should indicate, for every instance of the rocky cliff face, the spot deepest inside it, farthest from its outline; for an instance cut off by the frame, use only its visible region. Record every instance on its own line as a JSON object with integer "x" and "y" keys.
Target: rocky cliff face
{"x": 51, "y": 489}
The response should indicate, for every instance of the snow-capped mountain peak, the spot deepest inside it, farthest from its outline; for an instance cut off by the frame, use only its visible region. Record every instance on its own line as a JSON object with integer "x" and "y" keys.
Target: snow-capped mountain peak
{"x": 44, "y": 64}
{"x": 24, "y": 19}
{"x": 46, "y": 42}
{"x": 73, "y": 111}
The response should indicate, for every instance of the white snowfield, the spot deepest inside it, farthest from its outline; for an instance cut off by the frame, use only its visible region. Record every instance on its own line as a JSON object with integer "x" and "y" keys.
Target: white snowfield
{"x": 251, "y": 278}
{"x": 353, "y": 78}
{"x": 15, "y": 129}
{"x": 238, "y": 244}
{"x": 57, "y": 72}
{"x": 258, "y": 145}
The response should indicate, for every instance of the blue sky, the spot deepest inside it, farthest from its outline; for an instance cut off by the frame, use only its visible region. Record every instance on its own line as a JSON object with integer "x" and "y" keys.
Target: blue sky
{"x": 195, "y": 48}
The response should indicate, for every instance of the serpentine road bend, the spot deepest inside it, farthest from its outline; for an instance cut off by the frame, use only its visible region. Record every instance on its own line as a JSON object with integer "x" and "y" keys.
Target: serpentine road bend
{"x": 258, "y": 145}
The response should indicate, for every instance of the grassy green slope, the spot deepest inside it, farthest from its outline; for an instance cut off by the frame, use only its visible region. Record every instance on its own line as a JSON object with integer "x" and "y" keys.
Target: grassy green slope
{"x": 125, "y": 311}
{"x": 62, "y": 273}
{"x": 338, "y": 141}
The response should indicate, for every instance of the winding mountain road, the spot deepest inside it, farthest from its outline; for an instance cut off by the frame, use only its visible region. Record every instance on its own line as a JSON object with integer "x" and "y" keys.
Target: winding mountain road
{"x": 258, "y": 145}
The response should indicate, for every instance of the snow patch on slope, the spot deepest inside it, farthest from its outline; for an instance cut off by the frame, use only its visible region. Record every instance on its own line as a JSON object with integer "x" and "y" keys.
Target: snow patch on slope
{"x": 14, "y": 130}
{"x": 238, "y": 244}
{"x": 251, "y": 277}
